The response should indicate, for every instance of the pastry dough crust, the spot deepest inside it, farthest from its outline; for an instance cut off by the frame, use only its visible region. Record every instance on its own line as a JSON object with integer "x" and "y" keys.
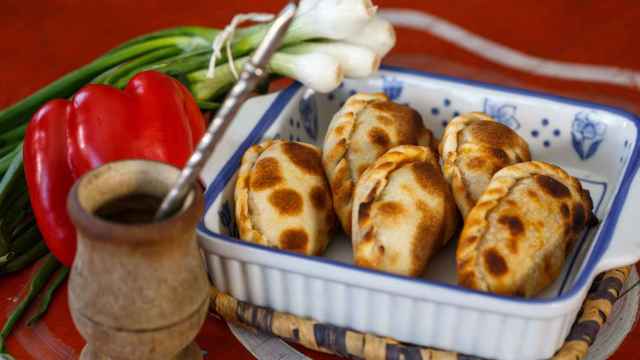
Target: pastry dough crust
{"x": 516, "y": 238}
{"x": 282, "y": 198}
{"x": 363, "y": 129}
{"x": 403, "y": 211}
{"x": 473, "y": 148}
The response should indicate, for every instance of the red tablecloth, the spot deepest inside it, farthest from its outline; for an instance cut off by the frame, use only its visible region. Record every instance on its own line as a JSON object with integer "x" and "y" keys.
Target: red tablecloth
{"x": 43, "y": 40}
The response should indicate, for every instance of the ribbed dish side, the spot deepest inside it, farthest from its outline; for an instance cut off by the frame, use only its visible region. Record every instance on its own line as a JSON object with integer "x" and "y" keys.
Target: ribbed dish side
{"x": 485, "y": 334}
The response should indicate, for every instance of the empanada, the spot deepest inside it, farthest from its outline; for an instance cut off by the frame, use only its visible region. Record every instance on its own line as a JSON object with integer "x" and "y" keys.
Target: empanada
{"x": 282, "y": 198}
{"x": 516, "y": 238}
{"x": 362, "y": 130}
{"x": 473, "y": 148}
{"x": 403, "y": 211}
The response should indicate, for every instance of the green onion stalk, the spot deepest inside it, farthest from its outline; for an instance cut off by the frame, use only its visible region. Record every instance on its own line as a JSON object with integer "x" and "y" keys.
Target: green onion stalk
{"x": 327, "y": 40}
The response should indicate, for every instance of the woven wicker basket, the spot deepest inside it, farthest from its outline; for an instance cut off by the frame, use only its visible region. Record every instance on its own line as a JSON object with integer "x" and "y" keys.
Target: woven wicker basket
{"x": 327, "y": 338}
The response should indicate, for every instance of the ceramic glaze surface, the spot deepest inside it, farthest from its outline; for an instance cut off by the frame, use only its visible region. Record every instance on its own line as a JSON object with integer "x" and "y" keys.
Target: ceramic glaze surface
{"x": 595, "y": 143}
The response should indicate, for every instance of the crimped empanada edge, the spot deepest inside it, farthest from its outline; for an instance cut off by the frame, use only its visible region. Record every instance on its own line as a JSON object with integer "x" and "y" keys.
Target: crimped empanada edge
{"x": 335, "y": 159}
{"x": 449, "y": 149}
{"x": 467, "y": 252}
{"x": 246, "y": 229}
{"x": 373, "y": 182}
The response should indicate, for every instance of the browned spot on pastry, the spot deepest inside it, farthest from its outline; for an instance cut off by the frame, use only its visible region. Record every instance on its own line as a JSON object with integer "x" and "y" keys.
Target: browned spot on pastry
{"x": 342, "y": 195}
{"x": 579, "y": 218}
{"x": 470, "y": 240}
{"x": 266, "y": 174}
{"x": 410, "y": 133}
{"x": 548, "y": 267}
{"x": 386, "y": 166}
{"x": 426, "y": 229}
{"x": 318, "y": 197}
{"x": 336, "y": 153}
{"x": 388, "y": 107}
{"x": 467, "y": 279}
{"x": 513, "y": 223}
{"x": 476, "y": 163}
{"x": 286, "y": 201}
{"x": 364, "y": 212}
{"x": 500, "y": 155}
{"x": 462, "y": 265}
{"x": 305, "y": 158}
{"x": 404, "y": 119}
{"x": 428, "y": 176}
{"x": 379, "y": 137}
{"x": 492, "y": 132}
{"x": 473, "y": 222}
{"x": 368, "y": 237}
{"x": 496, "y": 265}
{"x": 564, "y": 209}
{"x": 384, "y": 120}
{"x": 361, "y": 169}
{"x": 484, "y": 205}
{"x": 533, "y": 195}
{"x": 341, "y": 185}
{"x": 340, "y": 129}
{"x": 294, "y": 239}
{"x": 552, "y": 186}
{"x": 390, "y": 208}
{"x": 340, "y": 177}
{"x": 493, "y": 192}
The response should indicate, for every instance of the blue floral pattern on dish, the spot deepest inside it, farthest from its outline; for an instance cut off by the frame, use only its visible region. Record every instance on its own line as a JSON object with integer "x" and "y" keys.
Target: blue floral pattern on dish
{"x": 227, "y": 219}
{"x": 392, "y": 87}
{"x": 309, "y": 114}
{"x": 503, "y": 113}
{"x": 587, "y": 132}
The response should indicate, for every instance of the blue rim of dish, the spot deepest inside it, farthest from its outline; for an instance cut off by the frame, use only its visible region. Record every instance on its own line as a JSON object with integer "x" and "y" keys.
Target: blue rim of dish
{"x": 602, "y": 241}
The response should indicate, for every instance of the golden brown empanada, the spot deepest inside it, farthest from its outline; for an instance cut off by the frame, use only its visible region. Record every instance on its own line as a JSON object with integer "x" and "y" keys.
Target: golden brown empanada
{"x": 515, "y": 240}
{"x": 362, "y": 130}
{"x": 473, "y": 148}
{"x": 282, "y": 198}
{"x": 403, "y": 211}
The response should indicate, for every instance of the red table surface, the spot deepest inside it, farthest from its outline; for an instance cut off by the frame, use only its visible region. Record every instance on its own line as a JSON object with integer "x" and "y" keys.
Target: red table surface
{"x": 44, "y": 40}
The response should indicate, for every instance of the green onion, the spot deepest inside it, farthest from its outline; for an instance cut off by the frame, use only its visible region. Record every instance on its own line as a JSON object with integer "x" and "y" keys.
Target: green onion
{"x": 356, "y": 61}
{"x": 377, "y": 35}
{"x": 111, "y": 76}
{"x": 70, "y": 83}
{"x": 37, "y": 283}
{"x": 59, "y": 278}
{"x": 318, "y": 71}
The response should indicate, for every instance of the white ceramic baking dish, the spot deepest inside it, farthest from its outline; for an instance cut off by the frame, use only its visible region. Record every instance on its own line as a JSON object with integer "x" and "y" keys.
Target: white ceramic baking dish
{"x": 596, "y": 143}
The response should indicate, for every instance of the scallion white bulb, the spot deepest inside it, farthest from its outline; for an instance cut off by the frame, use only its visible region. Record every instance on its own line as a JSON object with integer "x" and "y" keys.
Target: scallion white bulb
{"x": 317, "y": 71}
{"x": 356, "y": 61}
{"x": 378, "y": 35}
{"x": 331, "y": 19}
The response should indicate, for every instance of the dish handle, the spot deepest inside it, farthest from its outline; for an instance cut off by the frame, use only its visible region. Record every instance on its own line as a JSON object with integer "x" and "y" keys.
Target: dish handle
{"x": 624, "y": 248}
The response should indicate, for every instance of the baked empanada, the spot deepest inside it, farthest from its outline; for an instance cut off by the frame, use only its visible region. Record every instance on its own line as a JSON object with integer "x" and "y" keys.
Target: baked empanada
{"x": 362, "y": 130}
{"x": 516, "y": 238}
{"x": 282, "y": 198}
{"x": 403, "y": 211}
{"x": 473, "y": 148}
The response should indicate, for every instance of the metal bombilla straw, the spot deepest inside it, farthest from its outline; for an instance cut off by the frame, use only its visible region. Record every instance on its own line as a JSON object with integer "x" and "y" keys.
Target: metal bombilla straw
{"x": 251, "y": 75}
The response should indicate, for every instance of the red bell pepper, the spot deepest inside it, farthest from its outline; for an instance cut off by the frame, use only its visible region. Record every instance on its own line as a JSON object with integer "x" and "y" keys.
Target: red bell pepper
{"x": 153, "y": 118}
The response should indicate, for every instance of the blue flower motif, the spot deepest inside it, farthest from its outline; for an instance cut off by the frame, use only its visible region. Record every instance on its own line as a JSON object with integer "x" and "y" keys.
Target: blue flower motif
{"x": 227, "y": 219}
{"x": 392, "y": 87}
{"x": 503, "y": 113}
{"x": 309, "y": 113}
{"x": 587, "y": 132}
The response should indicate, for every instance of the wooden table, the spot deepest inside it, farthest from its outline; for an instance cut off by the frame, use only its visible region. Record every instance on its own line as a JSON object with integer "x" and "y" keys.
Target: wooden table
{"x": 43, "y": 40}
